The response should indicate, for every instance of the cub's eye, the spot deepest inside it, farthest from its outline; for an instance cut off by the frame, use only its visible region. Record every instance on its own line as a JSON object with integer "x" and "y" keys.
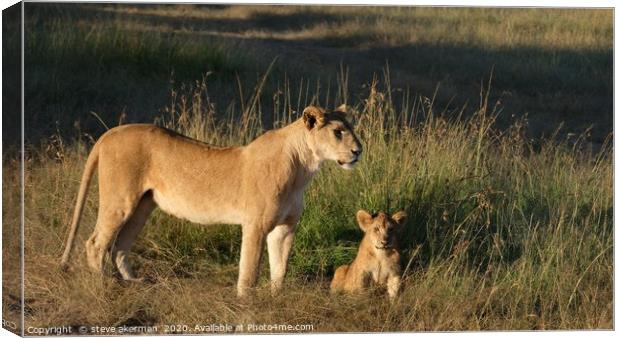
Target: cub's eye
{"x": 338, "y": 133}
{"x": 376, "y": 229}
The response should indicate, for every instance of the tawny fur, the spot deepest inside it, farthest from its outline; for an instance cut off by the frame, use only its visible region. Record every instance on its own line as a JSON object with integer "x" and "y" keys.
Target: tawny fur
{"x": 378, "y": 257}
{"x": 259, "y": 186}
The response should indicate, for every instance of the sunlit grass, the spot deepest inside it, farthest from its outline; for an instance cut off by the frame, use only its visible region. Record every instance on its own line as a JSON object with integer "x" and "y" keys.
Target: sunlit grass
{"x": 501, "y": 235}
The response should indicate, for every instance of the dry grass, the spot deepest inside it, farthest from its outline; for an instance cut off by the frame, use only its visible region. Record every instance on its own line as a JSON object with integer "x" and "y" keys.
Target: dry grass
{"x": 501, "y": 235}
{"x": 491, "y": 27}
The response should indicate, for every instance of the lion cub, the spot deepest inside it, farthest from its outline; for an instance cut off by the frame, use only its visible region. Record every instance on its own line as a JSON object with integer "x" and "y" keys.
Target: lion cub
{"x": 378, "y": 258}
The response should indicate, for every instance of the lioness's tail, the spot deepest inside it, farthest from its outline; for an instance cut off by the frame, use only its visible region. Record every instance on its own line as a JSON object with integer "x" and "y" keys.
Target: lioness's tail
{"x": 91, "y": 165}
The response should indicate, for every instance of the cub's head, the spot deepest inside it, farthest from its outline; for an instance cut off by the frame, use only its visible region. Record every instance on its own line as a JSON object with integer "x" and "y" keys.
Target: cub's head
{"x": 331, "y": 135}
{"x": 381, "y": 229}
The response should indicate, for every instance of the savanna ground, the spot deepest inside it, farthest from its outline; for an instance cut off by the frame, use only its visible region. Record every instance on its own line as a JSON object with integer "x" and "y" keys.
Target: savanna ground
{"x": 490, "y": 127}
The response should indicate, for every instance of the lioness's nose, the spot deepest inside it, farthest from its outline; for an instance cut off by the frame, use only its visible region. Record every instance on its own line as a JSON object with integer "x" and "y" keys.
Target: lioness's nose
{"x": 384, "y": 242}
{"x": 356, "y": 152}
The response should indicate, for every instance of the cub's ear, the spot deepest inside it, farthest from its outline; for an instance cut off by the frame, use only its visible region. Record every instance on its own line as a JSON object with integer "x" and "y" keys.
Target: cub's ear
{"x": 343, "y": 108}
{"x": 400, "y": 218}
{"x": 364, "y": 219}
{"x": 313, "y": 117}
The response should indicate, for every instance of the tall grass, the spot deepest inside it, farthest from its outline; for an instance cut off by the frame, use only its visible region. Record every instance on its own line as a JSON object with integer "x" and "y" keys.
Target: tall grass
{"x": 503, "y": 233}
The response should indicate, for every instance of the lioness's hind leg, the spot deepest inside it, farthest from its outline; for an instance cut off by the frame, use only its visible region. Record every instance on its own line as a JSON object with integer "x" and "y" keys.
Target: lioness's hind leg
{"x": 127, "y": 236}
{"x": 109, "y": 222}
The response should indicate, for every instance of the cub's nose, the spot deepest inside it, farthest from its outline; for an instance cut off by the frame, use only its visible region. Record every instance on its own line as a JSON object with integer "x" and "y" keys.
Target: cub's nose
{"x": 384, "y": 242}
{"x": 356, "y": 152}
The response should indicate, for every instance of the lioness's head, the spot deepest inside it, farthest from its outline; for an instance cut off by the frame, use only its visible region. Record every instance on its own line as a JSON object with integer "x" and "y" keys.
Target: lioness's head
{"x": 331, "y": 135}
{"x": 381, "y": 229}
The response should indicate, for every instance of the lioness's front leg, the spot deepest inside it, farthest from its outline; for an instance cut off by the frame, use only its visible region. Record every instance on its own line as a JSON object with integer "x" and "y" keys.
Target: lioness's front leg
{"x": 279, "y": 244}
{"x": 252, "y": 244}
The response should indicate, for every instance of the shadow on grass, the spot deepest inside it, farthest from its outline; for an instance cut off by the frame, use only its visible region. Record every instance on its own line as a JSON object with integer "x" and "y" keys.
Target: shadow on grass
{"x": 550, "y": 86}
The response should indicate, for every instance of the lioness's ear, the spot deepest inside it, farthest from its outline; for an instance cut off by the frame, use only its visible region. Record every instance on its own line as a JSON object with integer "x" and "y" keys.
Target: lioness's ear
{"x": 313, "y": 117}
{"x": 400, "y": 218}
{"x": 364, "y": 219}
{"x": 343, "y": 108}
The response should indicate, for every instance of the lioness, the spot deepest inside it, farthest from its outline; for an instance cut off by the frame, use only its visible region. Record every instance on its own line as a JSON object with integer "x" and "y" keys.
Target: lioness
{"x": 378, "y": 258}
{"x": 259, "y": 186}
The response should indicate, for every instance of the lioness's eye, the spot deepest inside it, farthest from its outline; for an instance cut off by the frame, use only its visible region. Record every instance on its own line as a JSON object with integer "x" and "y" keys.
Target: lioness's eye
{"x": 338, "y": 133}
